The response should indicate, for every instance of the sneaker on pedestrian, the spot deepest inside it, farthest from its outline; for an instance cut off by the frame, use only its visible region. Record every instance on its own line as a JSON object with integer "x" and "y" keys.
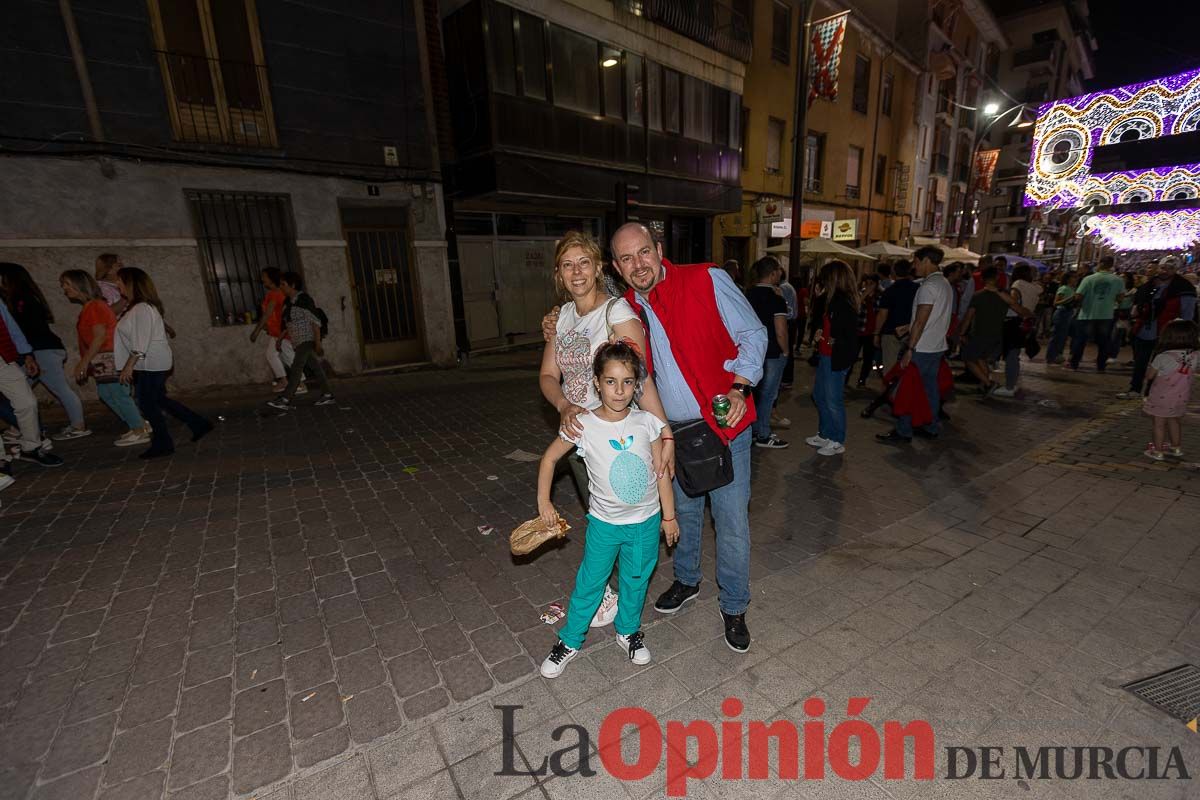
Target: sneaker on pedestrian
{"x": 133, "y": 437}
{"x": 1128, "y": 395}
{"x": 281, "y": 403}
{"x": 607, "y": 611}
{"x": 1152, "y": 452}
{"x": 279, "y": 385}
{"x": 737, "y": 635}
{"x": 301, "y": 389}
{"x": 71, "y": 432}
{"x": 832, "y": 449}
{"x": 325, "y": 400}
{"x": 673, "y": 599}
{"x": 1173, "y": 452}
{"x": 41, "y": 455}
{"x": 1004, "y": 391}
{"x": 773, "y": 442}
{"x": 780, "y": 422}
{"x": 6, "y": 480}
{"x": 632, "y": 644}
{"x": 892, "y": 437}
{"x": 817, "y": 440}
{"x": 556, "y": 662}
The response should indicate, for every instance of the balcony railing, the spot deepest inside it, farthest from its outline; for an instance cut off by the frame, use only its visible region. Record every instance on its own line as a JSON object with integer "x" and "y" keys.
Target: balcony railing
{"x": 813, "y": 185}
{"x": 1034, "y": 56}
{"x": 217, "y": 101}
{"x": 852, "y": 192}
{"x": 710, "y": 22}
{"x": 941, "y": 164}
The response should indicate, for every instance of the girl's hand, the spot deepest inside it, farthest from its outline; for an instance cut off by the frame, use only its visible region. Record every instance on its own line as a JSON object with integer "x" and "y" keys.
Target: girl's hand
{"x": 568, "y": 421}
{"x": 548, "y": 513}
{"x": 664, "y": 460}
{"x": 127, "y": 373}
{"x": 670, "y": 529}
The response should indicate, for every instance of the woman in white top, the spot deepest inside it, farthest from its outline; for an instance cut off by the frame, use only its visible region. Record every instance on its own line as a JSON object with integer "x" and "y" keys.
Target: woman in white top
{"x": 1026, "y": 292}
{"x": 592, "y": 318}
{"x": 142, "y": 353}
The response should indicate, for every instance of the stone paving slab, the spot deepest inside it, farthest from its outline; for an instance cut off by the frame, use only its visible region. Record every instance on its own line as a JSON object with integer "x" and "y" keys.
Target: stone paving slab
{"x": 303, "y": 607}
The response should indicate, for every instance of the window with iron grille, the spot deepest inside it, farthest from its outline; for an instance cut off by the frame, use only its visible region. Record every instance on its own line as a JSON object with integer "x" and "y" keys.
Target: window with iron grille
{"x": 240, "y": 234}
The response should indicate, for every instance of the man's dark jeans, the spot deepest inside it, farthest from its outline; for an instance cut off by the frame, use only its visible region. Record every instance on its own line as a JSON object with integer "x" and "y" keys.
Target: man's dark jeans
{"x": 1143, "y": 351}
{"x": 1092, "y": 330}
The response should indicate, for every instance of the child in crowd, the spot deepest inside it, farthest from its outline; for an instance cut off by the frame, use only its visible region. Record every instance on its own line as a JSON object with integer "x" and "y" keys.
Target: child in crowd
{"x": 626, "y": 509}
{"x": 1175, "y": 364}
{"x": 305, "y": 325}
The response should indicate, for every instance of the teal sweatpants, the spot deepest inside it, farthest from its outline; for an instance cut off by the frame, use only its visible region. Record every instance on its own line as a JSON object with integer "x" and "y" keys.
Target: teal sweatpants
{"x": 636, "y": 545}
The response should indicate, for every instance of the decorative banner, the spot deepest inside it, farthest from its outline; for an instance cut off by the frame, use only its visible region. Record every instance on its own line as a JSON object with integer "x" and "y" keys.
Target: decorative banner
{"x": 985, "y": 168}
{"x": 1147, "y": 230}
{"x": 1069, "y": 130}
{"x": 824, "y": 56}
{"x": 845, "y": 229}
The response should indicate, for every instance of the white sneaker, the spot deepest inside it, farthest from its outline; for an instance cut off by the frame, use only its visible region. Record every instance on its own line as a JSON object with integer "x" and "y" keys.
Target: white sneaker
{"x": 832, "y": 449}
{"x": 607, "y": 611}
{"x": 556, "y": 662}
{"x": 1004, "y": 391}
{"x": 6, "y": 480}
{"x": 301, "y": 389}
{"x": 638, "y": 653}
{"x": 70, "y": 432}
{"x": 816, "y": 441}
{"x": 132, "y": 438}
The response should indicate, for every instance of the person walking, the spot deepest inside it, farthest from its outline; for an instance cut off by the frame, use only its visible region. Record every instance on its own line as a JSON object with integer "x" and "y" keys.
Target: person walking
{"x": 1121, "y": 328}
{"x": 279, "y": 347}
{"x": 17, "y": 364}
{"x": 837, "y": 343}
{"x": 95, "y": 329}
{"x": 794, "y": 314}
{"x": 32, "y": 313}
{"x": 628, "y": 505}
{"x": 1165, "y": 296}
{"x": 772, "y": 312}
{"x": 983, "y": 328}
{"x": 704, "y": 340}
{"x": 894, "y": 311}
{"x": 1064, "y": 318}
{"x": 868, "y": 295}
{"x": 144, "y": 356}
{"x": 1018, "y": 325}
{"x": 926, "y": 336}
{"x": 1098, "y": 297}
{"x": 305, "y": 324}
{"x": 1175, "y": 365}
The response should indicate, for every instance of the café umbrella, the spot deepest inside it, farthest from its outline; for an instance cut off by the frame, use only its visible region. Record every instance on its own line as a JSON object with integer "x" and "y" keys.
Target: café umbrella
{"x": 821, "y": 246}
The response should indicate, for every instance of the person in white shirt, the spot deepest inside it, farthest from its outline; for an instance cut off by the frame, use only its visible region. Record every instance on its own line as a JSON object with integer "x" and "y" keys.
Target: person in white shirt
{"x": 1026, "y": 292}
{"x": 142, "y": 353}
{"x": 628, "y": 505}
{"x": 932, "y": 309}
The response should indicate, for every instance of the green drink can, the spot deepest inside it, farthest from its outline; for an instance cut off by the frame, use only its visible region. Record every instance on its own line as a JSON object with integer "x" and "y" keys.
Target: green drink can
{"x": 720, "y": 408}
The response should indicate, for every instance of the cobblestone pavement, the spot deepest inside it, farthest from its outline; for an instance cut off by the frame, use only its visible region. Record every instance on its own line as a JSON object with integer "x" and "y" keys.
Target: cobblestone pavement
{"x": 304, "y": 607}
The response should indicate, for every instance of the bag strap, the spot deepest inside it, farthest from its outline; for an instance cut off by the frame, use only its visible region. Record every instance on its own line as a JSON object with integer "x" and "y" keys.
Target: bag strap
{"x": 608, "y": 328}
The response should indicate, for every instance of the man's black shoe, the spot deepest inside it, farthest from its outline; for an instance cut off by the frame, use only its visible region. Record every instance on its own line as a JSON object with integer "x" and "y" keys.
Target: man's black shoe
{"x": 891, "y": 437}
{"x": 925, "y": 433}
{"x": 737, "y": 635}
{"x": 673, "y": 599}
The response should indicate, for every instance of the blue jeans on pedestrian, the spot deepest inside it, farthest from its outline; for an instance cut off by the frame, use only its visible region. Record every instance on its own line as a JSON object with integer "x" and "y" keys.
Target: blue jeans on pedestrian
{"x": 731, "y": 518}
{"x": 765, "y": 394}
{"x": 1092, "y": 330}
{"x": 119, "y": 398}
{"x": 153, "y": 401}
{"x": 928, "y": 365}
{"x": 1062, "y": 329}
{"x": 828, "y": 396}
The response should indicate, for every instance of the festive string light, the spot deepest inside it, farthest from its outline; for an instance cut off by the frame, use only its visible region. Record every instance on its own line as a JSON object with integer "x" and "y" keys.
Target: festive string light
{"x": 1149, "y": 230}
{"x": 1069, "y": 130}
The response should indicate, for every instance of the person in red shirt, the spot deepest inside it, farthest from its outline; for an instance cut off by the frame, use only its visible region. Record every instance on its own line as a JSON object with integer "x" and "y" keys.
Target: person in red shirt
{"x": 866, "y": 327}
{"x": 279, "y": 358}
{"x": 94, "y": 329}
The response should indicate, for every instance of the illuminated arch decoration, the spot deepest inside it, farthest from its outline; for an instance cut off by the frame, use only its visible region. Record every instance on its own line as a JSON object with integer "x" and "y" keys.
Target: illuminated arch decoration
{"x": 1149, "y": 230}
{"x": 1069, "y": 130}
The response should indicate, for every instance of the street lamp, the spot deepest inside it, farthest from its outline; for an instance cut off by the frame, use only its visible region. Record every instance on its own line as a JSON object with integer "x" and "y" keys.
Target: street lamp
{"x": 1018, "y": 121}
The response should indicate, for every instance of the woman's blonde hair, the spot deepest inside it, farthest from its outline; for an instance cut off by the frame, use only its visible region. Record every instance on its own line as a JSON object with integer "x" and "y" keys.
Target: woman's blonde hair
{"x": 836, "y": 276}
{"x": 585, "y": 242}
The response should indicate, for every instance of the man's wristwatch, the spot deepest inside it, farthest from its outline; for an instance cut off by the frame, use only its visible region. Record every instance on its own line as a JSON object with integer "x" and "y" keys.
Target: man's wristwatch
{"x": 744, "y": 388}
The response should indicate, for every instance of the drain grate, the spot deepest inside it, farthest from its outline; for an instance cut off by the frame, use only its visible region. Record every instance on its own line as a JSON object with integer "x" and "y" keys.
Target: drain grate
{"x": 1176, "y": 691}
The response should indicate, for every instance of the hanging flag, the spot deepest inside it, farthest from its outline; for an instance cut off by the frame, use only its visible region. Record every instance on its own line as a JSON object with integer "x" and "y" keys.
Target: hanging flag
{"x": 985, "y": 168}
{"x": 824, "y": 55}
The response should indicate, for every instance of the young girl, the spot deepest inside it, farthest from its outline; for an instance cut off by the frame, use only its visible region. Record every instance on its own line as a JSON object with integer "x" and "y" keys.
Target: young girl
{"x": 1174, "y": 365}
{"x": 626, "y": 506}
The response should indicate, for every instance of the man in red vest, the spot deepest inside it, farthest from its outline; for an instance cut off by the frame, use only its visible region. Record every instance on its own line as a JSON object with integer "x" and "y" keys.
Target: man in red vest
{"x": 704, "y": 339}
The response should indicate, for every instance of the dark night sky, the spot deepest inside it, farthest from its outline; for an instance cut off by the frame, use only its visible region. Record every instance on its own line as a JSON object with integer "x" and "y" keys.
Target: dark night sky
{"x": 1144, "y": 40}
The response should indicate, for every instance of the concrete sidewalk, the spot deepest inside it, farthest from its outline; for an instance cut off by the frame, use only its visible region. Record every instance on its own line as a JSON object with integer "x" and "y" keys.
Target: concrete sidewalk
{"x": 304, "y": 607}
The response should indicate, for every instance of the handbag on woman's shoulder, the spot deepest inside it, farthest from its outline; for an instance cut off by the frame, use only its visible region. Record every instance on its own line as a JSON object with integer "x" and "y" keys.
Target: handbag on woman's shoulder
{"x": 103, "y": 368}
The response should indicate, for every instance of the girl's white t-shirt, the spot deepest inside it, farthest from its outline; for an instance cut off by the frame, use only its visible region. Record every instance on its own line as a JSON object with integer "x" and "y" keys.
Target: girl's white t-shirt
{"x": 619, "y": 462}
{"x": 575, "y": 344}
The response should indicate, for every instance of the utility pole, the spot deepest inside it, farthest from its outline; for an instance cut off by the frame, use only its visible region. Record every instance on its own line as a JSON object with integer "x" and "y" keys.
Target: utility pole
{"x": 799, "y": 136}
